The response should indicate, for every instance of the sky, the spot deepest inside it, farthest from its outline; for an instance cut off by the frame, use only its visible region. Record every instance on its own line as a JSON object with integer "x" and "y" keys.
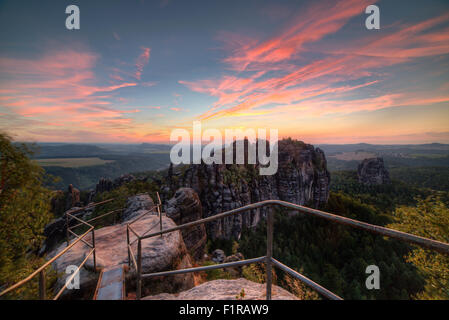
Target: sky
{"x": 136, "y": 70}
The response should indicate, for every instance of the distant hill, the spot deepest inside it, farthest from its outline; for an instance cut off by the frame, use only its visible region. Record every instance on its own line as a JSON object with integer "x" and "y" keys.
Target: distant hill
{"x": 347, "y": 156}
{"x": 69, "y": 151}
{"x": 111, "y": 161}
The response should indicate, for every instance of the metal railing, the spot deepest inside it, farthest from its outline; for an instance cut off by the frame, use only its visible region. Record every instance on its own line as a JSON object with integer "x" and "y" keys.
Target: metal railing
{"x": 131, "y": 257}
{"x": 268, "y": 258}
{"x": 79, "y": 238}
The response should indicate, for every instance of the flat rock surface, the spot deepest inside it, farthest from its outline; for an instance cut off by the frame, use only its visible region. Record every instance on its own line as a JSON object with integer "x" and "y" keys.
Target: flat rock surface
{"x": 110, "y": 243}
{"x": 226, "y": 290}
{"x": 158, "y": 253}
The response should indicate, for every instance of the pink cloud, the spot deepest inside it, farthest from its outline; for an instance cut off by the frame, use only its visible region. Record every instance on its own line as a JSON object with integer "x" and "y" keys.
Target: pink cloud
{"x": 292, "y": 82}
{"x": 142, "y": 61}
{"x": 59, "y": 89}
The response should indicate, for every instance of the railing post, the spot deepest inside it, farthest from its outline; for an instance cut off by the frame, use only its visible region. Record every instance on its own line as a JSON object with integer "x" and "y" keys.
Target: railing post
{"x": 95, "y": 251}
{"x": 127, "y": 245}
{"x": 268, "y": 262}
{"x": 159, "y": 211}
{"x": 139, "y": 269}
{"x": 42, "y": 285}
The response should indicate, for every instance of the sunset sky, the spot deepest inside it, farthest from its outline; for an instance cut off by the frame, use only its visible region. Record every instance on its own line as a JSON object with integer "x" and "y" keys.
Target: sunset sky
{"x": 136, "y": 70}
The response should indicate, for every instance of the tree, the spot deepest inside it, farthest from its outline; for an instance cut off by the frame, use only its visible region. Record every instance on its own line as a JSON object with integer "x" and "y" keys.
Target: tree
{"x": 24, "y": 212}
{"x": 430, "y": 218}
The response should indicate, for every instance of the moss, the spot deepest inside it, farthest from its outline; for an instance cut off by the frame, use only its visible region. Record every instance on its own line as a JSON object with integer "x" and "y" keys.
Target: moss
{"x": 216, "y": 273}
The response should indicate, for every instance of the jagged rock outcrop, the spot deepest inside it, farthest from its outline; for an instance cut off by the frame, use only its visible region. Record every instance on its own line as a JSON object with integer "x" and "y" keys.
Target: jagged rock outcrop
{"x": 218, "y": 256}
{"x": 234, "y": 271}
{"x": 184, "y": 207}
{"x": 137, "y": 205}
{"x": 158, "y": 254}
{"x": 73, "y": 197}
{"x": 302, "y": 178}
{"x": 55, "y": 232}
{"x": 227, "y": 290}
{"x": 105, "y": 184}
{"x": 372, "y": 171}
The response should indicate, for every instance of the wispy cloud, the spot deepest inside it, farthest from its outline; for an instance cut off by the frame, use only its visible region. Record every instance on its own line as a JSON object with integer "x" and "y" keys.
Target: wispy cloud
{"x": 58, "y": 89}
{"x": 274, "y": 74}
{"x": 142, "y": 61}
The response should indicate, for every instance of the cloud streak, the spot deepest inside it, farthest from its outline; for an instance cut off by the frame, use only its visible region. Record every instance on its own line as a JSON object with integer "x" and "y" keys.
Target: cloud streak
{"x": 58, "y": 89}
{"x": 142, "y": 61}
{"x": 274, "y": 74}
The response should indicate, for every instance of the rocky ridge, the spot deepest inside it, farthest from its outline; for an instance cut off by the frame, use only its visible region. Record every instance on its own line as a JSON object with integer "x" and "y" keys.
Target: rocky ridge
{"x": 302, "y": 178}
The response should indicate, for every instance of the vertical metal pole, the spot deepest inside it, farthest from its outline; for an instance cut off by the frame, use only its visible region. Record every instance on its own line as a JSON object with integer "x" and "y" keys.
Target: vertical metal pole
{"x": 67, "y": 228}
{"x": 139, "y": 270}
{"x": 127, "y": 245}
{"x": 95, "y": 251}
{"x": 42, "y": 285}
{"x": 159, "y": 211}
{"x": 268, "y": 262}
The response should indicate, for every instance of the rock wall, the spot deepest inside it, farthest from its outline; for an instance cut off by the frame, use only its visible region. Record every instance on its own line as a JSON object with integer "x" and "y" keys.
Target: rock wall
{"x": 302, "y": 178}
{"x": 184, "y": 207}
{"x": 372, "y": 171}
{"x": 105, "y": 184}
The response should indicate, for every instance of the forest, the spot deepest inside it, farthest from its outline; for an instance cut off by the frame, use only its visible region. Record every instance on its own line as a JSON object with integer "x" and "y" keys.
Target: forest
{"x": 334, "y": 256}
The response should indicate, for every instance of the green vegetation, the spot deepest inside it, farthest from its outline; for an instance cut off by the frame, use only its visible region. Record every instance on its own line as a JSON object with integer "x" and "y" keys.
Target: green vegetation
{"x": 336, "y": 256}
{"x": 24, "y": 207}
{"x": 383, "y": 198}
{"x": 215, "y": 273}
{"x": 429, "y": 218}
{"x": 87, "y": 177}
{"x": 436, "y": 178}
{"x": 120, "y": 196}
{"x": 72, "y": 162}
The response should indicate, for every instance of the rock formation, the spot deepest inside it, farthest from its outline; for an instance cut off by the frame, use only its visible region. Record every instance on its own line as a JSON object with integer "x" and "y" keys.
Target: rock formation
{"x": 55, "y": 231}
{"x": 73, "y": 198}
{"x": 234, "y": 271}
{"x": 185, "y": 206}
{"x": 302, "y": 178}
{"x": 373, "y": 172}
{"x": 227, "y": 290}
{"x": 158, "y": 254}
{"x": 218, "y": 256}
{"x": 137, "y": 205}
{"x": 105, "y": 184}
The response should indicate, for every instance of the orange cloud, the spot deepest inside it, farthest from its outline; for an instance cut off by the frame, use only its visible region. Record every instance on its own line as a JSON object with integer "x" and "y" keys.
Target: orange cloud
{"x": 58, "y": 89}
{"x": 277, "y": 82}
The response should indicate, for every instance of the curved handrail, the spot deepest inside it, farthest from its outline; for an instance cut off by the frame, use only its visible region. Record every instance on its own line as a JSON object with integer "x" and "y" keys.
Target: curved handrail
{"x": 269, "y": 260}
{"x": 425, "y": 242}
{"x": 41, "y": 269}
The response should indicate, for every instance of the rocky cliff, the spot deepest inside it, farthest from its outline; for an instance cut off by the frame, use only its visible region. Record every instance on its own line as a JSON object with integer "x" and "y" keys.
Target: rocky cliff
{"x": 302, "y": 178}
{"x": 372, "y": 171}
{"x": 184, "y": 207}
